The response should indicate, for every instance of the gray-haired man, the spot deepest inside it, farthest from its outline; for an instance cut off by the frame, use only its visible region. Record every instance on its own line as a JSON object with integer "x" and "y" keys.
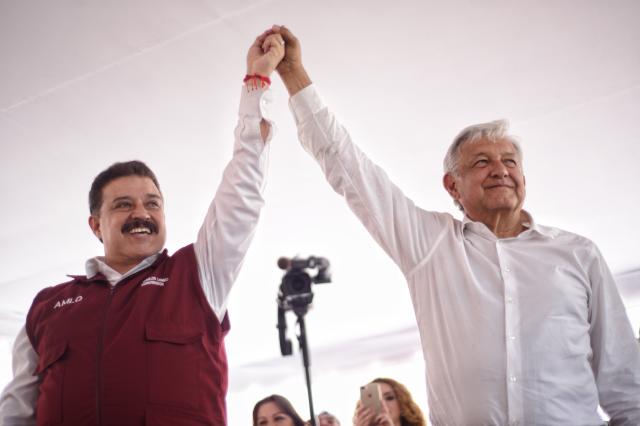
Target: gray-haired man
{"x": 520, "y": 323}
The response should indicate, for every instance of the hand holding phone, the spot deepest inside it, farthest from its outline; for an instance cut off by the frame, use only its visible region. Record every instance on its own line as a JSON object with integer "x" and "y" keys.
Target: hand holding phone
{"x": 371, "y": 397}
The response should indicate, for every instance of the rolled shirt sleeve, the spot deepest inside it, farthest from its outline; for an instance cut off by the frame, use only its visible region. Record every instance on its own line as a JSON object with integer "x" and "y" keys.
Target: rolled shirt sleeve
{"x": 231, "y": 219}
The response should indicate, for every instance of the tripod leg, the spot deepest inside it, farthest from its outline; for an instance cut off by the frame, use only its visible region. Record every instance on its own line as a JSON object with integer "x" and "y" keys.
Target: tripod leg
{"x": 302, "y": 340}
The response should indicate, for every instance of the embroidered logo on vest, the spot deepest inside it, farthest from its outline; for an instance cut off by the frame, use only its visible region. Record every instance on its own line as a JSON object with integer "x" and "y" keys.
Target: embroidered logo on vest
{"x": 154, "y": 281}
{"x": 67, "y": 301}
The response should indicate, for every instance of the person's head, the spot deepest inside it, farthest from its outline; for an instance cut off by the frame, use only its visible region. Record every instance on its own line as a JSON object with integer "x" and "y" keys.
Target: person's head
{"x": 275, "y": 410}
{"x": 402, "y": 409}
{"x": 483, "y": 170}
{"x": 127, "y": 213}
{"x": 325, "y": 418}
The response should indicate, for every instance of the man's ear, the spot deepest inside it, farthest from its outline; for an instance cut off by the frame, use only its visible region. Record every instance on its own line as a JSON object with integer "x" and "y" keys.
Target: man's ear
{"x": 450, "y": 184}
{"x": 94, "y": 224}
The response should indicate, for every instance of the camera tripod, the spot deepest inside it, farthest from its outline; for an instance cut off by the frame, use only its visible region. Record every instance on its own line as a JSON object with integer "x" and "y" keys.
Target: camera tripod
{"x": 295, "y": 294}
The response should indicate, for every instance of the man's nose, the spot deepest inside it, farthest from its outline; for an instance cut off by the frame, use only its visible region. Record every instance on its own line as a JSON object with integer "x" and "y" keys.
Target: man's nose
{"x": 498, "y": 169}
{"x": 140, "y": 211}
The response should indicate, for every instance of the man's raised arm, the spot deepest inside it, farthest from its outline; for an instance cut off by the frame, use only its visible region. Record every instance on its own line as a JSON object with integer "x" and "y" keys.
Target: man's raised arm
{"x": 402, "y": 230}
{"x": 230, "y": 223}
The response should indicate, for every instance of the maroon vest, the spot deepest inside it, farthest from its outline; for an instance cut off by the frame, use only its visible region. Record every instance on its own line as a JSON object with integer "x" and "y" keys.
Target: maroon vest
{"x": 148, "y": 351}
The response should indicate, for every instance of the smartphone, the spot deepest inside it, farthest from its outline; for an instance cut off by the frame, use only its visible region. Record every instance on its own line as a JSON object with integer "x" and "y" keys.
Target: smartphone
{"x": 370, "y": 397}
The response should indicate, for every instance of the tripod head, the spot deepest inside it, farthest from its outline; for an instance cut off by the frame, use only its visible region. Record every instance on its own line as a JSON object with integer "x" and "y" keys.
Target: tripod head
{"x": 294, "y": 293}
{"x": 295, "y": 289}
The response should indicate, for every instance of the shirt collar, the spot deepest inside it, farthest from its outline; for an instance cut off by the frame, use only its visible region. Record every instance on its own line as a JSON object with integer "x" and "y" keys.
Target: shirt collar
{"x": 528, "y": 222}
{"x": 97, "y": 265}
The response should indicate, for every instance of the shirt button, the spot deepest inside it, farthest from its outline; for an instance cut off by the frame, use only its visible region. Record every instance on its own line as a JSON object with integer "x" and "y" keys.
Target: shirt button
{"x": 507, "y": 269}
{"x": 509, "y": 299}
{"x": 512, "y": 337}
{"x": 513, "y": 379}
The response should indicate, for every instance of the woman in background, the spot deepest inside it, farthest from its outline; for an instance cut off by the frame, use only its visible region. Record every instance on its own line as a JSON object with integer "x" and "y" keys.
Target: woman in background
{"x": 399, "y": 409}
{"x": 275, "y": 410}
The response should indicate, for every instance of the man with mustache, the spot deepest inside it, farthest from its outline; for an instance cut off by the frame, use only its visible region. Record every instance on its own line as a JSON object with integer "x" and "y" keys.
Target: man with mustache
{"x": 520, "y": 323}
{"x": 139, "y": 339}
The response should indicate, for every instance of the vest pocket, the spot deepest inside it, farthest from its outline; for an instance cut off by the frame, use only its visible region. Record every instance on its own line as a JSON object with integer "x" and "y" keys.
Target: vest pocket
{"x": 50, "y": 369}
{"x": 174, "y": 354}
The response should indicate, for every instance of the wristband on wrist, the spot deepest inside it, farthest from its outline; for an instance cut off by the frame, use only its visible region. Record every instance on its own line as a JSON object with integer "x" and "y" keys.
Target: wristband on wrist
{"x": 251, "y": 80}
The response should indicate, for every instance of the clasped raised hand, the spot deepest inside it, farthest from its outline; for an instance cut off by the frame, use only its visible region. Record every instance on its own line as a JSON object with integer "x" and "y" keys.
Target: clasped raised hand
{"x": 265, "y": 54}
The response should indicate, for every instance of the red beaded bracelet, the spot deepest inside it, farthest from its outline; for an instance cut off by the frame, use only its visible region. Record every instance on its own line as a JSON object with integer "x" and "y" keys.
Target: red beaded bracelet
{"x": 255, "y": 78}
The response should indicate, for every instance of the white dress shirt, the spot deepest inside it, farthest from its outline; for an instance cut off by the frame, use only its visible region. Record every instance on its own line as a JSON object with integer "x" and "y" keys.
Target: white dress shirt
{"x": 220, "y": 246}
{"x": 527, "y": 330}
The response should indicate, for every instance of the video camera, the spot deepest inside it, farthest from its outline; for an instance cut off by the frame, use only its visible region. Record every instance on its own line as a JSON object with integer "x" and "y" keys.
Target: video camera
{"x": 295, "y": 292}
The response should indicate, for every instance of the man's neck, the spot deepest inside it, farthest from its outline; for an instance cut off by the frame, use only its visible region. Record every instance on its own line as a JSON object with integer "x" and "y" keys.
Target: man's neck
{"x": 121, "y": 268}
{"x": 124, "y": 266}
{"x": 502, "y": 224}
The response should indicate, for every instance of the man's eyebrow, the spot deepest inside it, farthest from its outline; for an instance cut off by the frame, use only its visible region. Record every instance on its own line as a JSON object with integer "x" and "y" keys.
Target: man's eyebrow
{"x": 479, "y": 154}
{"x": 122, "y": 198}
{"x": 129, "y": 198}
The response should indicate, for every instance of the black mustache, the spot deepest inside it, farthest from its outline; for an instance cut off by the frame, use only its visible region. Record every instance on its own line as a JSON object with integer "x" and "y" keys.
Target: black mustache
{"x": 140, "y": 223}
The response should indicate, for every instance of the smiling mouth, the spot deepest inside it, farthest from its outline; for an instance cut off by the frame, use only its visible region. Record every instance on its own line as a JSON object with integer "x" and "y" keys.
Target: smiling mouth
{"x": 141, "y": 230}
{"x": 499, "y": 186}
{"x": 140, "y": 227}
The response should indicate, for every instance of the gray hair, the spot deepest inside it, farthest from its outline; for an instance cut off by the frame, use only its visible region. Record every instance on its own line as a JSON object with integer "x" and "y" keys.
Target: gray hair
{"x": 493, "y": 131}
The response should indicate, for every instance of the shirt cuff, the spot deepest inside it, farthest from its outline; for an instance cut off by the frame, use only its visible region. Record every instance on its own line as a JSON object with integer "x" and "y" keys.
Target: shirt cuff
{"x": 256, "y": 103}
{"x": 305, "y": 104}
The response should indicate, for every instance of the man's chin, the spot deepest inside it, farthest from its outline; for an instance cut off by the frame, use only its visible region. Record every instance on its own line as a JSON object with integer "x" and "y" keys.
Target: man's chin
{"x": 506, "y": 205}
{"x": 139, "y": 256}
{"x": 142, "y": 251}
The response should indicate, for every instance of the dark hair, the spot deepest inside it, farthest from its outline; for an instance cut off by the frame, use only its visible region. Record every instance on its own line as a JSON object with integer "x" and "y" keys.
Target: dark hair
{"x": 283, "y": 404}
{"x": 115, "y": 171}
{"x": 410, "y": 413}
{"x": 331, "y": 417}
